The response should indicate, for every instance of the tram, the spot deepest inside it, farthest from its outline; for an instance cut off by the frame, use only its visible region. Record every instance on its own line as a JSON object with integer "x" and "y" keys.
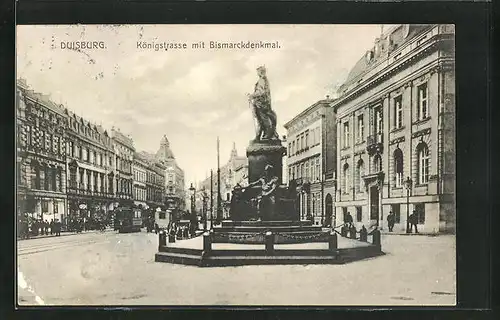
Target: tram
{"x": 128, "y": 220}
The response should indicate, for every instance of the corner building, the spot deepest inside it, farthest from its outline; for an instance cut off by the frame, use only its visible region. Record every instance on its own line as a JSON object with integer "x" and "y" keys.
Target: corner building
{"x": 124, "y": 156}
{"x": 396, "y": 123}
{"x": 41, "y": 156}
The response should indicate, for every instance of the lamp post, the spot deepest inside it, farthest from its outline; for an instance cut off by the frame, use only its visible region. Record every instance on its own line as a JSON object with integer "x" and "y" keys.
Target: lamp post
{"x": 408, "y": 185}
{"x": 205, "y": 218}
{"x": 192, "y": 192}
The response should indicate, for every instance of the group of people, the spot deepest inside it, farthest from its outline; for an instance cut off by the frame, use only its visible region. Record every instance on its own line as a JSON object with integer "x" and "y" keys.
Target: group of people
{"x": 412, "y": 221}
{"x": 79, "y": 224}
{"x": 34, "y": 227}
{"x": 181, "y": 232}
{"x": 151, "y": 226}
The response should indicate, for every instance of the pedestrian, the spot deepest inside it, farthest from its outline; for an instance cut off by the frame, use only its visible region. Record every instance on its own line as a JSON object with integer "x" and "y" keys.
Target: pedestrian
{"x": 157, "y": 228}
{"x": 413, "y": 221}
{"x": 349, "y": 220}
{"x": 46, "y": 226}
{"x": 363, "y": 234}
{"x": 390, "y": 221}
{"x": 51, "y": 226}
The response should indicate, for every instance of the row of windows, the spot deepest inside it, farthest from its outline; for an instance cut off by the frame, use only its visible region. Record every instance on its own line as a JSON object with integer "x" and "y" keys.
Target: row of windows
{"x": 397, "y": 116}
{"x": 139, "y": 176}
{"x": 89, "y": 180}
{"x": 46, "y": 178}
{"x": 304, "y": 140}
{"x": 88, "y": 131}
{"x": 88, "y": 155}
{"x": 140, "y": 194}
{"x": 423, "y": 163}
{"x": 51, "y": 143}
{"x": 309, "y": 169}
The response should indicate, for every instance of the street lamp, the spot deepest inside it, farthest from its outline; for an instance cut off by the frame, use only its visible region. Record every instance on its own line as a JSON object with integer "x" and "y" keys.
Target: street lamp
{"x": 192, "y": 192}
{"x": 408, "y": 185}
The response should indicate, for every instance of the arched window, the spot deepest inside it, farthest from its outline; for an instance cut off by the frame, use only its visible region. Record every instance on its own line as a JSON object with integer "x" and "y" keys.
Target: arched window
{"x": 398, "y": 168}
{"x": 360, "y": 172}
{"x": 377, "y": 163}
{"x": 345, "y": 180}
{"x": 423, "y": 163}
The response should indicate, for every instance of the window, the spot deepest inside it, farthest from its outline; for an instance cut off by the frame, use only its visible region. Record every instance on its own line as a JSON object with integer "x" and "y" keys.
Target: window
{"x": 302, "y": 144}
{"x": 307, "y": 139}
{"x": 345, "y": 180}
{"x": 318, "y": 136}
{"x": 307, "y": 175}
{"x": 346, "y": 134}
{"x": 293, "y": 147}
{"x": 359, "y": 214}
{"x": 423, "y": 163}
{"x": 377, "y": 163}
{"x": 361, "y": 128}
{"x": 398, "y": 112}
{"x": 43, "y": 182}
{"x": 398, "y": 168}
{"x": 28, "y": 135}
{"x": 302, "y": 171}
{"x": 379, "y": 125}
{"x": 71, "y": 151}
{"x": 318, "y": 169}
{"x": 162, "y": 214}
{"x": 420, "y": 212}
{"x": 290, "y": 174}
{"x": 290, "y": 149}
{"x": 35, "y": 180}
{"x": 396, "y": 209}
{"x": 423, "y": 110}
{"x": 360, "y": 172}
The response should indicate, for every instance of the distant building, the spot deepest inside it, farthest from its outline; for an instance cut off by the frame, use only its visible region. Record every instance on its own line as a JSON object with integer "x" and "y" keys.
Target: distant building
{"x": 235, "y": 171}
{"x": 175, "y": 187}
{"x": 140, "y": 168}
{"x": 311, "y": 159}
{"x": 124, "y": 156}
{"x": 396, "y": 114}
{"x": 41, "y": 155}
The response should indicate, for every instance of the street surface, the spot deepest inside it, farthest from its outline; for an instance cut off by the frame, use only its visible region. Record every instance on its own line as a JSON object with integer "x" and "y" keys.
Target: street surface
{"x": 119, "y": 269}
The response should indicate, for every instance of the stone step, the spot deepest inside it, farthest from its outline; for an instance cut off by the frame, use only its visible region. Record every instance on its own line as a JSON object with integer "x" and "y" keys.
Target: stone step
{"x": 278, "y": 252}
{"x": 178, "y": 258}
{"x": 267, "y": 228}
{"x": 265, "y": 223}
{"x": 269, "y": 260}
{"x": 180, "y": 250}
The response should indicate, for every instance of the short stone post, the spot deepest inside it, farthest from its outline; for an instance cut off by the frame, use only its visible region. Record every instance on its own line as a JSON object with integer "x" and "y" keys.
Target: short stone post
{"x": 376, "y": 238}
{"x": 162, "y": 237}
{"x": 171, "y": 236}
{"x": 332, "y": 241}
{"x": 352, "y": 232}
{"x": 363, "y": 234}
{"x": 207, "y": 242}
{"x": 269, "y": 242}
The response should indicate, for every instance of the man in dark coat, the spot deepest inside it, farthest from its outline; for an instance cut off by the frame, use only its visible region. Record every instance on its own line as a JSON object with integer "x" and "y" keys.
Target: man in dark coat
{"x": 348, "y": 220}
{"x": 390, "y": 221}
{"x": 413, "y": 221}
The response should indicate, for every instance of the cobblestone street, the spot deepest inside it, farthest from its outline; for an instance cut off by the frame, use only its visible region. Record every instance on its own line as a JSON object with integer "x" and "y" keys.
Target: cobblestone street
{"x": 119, "y": 269}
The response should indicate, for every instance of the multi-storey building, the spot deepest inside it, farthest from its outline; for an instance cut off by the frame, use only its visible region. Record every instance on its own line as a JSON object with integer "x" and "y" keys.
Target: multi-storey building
{"x": 41, "y": 155}
{"x": 90, "y": 168}
{"x": 155, "y": 182}
{"x": 311, "y": 139}
{"x": 396, "y": 131}
{"x": 124, "y": 155}
{"x": 140, "y": 167}
{"x": 174, "y": 177}
{"x": 235, "y": 171}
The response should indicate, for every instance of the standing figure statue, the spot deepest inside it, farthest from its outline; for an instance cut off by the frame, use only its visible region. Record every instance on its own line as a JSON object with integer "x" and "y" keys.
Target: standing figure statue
{"x": 260, "y": 101}
{"x": 266, "y": 200}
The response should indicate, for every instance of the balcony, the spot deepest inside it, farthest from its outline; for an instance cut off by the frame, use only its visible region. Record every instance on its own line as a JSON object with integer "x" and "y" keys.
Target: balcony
{"x": 375, "y": 143}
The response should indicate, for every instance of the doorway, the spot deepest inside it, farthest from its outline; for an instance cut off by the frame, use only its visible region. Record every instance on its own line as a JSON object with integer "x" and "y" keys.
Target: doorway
{"x": 328, "y": 210}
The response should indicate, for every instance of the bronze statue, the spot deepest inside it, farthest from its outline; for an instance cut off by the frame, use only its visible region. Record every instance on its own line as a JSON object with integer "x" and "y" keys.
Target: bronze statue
{"x": 260, "y": 101}
{"x": 266, "y": 200}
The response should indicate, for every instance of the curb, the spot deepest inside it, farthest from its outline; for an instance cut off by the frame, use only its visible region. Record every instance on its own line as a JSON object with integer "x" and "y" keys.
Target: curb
{"x": 64, "y": 234}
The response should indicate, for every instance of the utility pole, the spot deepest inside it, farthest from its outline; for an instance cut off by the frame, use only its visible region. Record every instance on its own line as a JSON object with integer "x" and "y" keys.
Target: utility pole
{"x": 211, "y": 199}
{"x": 219, "y": 218}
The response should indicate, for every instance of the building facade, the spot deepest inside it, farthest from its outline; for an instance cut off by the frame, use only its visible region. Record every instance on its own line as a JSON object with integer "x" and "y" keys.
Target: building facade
{"x": 396, "y": 131}
{"x": 41, "y": 156}
{"x": 311, "y": 147}
{"x": 90, "y": 168}
{"x": 140, "y": 168}
{"x": 124, "y": 156}
{"x": 175, "y": 188}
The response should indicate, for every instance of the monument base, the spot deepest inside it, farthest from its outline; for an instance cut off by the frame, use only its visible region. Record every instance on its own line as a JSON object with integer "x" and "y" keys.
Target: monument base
{"x": 262, "y": 153}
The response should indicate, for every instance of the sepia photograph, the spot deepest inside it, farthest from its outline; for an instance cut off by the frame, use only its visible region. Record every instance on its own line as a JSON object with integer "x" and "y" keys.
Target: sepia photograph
{"x": 236, "y": 165}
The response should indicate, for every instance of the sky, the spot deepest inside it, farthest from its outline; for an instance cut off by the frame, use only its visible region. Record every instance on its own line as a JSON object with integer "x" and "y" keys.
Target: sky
{"x": 190, "y": 95}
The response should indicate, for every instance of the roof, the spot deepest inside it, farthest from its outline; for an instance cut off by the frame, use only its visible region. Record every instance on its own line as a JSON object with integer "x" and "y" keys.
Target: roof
{"x": 320, "y": 103}
{"x": 391, "y": 40}
{"x": 120, "y": 137}
{"x": 43, "y": 99}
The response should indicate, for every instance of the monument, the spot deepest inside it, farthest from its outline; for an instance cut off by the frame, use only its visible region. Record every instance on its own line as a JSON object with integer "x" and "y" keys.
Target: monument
{"x": 265, "y": 198}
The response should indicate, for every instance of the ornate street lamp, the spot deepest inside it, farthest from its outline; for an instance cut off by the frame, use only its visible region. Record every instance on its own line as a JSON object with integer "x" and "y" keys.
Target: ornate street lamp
{"x": 408, "y": 185}
{"x": 205, "y": 218}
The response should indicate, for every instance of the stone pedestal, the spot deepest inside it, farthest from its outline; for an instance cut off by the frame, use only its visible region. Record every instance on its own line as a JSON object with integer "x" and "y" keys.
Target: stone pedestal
{"x": 262, "y": 153}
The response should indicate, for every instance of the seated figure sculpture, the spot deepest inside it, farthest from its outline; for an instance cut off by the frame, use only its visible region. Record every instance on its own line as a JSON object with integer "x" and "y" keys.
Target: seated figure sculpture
{"x": 266, "y": 200}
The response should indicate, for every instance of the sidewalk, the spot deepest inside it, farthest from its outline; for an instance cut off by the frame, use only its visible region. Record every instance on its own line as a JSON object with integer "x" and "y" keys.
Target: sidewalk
{"x": 63, "y": 234}
{"x": 403, "y": 233}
